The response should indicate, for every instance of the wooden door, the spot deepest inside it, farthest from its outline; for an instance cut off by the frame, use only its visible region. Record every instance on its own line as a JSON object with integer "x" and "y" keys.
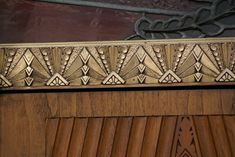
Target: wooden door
{"x": 117, "y": 123}
{"x": 158, "y": 98}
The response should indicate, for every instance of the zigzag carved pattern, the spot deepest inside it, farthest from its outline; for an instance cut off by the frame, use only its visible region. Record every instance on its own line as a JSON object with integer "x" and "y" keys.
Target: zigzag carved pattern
{"x": 119, "y": 63}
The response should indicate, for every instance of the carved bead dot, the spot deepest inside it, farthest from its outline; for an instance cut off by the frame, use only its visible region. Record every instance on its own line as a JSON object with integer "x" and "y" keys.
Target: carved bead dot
{"x": 121, "y": 61}
{"x": 216, "y": 53}
{"x": 68, "y": 52}
{"x": 181, "y": 48}
{"x": 44, "y": 53}
{"x": 125, "y": 50}
{"x": 9, "y": 59}
{"x": 102, "y": 56}
{"x": 179, "y": 55}
{"x": 48, "y": 63}
{"x": 157, "y": 49}
{"x": 217, "y": 58}
{"x": 160, "y": 60}
{"x": 8, "y": 64}
{"x": 46, "y": 58}
{"x": 105, "y": 62}
{"x": 123, "y": 56}
{"x": 213, "y": 47}
{"x": 159, "y": 55}
{"x": 12, "y": 53}
{"x": 67, "y": 57}
{"x": 162, "y": 64}
{"x": 101, "y": 52}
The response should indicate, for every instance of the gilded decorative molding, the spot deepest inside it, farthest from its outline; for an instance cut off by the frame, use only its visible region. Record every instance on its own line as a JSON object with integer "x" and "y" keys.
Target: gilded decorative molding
{"x": 118, "y": 63}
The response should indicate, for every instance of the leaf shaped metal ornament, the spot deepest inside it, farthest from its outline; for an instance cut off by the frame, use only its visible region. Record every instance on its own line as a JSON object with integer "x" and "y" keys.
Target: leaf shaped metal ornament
{"x": 207, "y": 21}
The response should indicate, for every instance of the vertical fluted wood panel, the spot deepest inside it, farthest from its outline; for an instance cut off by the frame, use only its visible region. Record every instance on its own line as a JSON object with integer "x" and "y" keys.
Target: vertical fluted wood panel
{"x": 92, "y": 137}
{"x": 77, "y": 137}
{"x": 63, "y": 137}
{"x": 230, "y": 128}
{"x": 166, "y": 136}
{"x": 151, "y": 136}
{"x": 136, "y": 137}
{"x": 121, "y": 137}
{"x": 220, "y": 136}
{"x": 107, "y": 137}
{"x": 52, "y": 126}
{"x": 205, "y": 137}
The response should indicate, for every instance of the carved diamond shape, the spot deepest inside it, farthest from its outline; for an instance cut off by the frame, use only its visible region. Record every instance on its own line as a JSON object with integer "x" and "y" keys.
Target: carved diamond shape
{"x": 113, "y": 78}
{"x": 85, "y": 55}
{"x": 28, "y": 57}
{"x": 141, "y": 54}
{"x": 85, "y": 69}
{"x": 198, "y": 66}
{"x": 141, "y": 68}
{"x": 198, "y": 76}
{"x": 85, "y": 79}
{"x": 29, "y": 71}
{"x": 197, "y": 52}
{"x": 28, "y": 81}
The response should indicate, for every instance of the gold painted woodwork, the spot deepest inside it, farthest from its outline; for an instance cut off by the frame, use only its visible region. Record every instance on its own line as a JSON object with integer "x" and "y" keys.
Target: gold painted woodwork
{"x": 118, "y": 64}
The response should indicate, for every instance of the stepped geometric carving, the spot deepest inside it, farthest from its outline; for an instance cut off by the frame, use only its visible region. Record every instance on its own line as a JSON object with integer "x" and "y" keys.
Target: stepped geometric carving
{"x": 169, "y": 77}
{"x": 185, "y": 141}
{"x": 57, "y": 80}
{"x": 4, "y": 82}
{"x": 113, "y": 78}
{"x": 226, "y": 76}
{"x": 28, "y": 58}
{"x": 122, "y": 62}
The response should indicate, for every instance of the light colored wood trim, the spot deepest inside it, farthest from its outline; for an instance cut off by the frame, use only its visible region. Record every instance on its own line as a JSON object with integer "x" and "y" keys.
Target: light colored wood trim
{"x": 118, "y": 64}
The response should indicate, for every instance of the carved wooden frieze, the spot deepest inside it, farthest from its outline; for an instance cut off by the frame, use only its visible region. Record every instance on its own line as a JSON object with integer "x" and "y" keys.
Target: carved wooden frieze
{"x": 118, "y": 63}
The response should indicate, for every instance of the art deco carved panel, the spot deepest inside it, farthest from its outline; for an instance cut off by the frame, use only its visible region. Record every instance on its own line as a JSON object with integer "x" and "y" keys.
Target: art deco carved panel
{"x": 118, "y": 64}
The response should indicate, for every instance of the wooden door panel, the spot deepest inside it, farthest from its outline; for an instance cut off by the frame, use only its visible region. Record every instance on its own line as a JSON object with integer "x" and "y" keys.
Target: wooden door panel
{"x": 150, "y": 136}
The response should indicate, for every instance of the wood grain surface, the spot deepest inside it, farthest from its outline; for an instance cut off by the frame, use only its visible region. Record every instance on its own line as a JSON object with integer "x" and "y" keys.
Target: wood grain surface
{"x": 29, "y": 120}
{"x": 131, "y": 136}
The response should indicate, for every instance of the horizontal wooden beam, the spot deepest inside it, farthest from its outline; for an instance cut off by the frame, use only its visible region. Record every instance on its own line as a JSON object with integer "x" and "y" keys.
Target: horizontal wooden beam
{"x": 118, "y": 64}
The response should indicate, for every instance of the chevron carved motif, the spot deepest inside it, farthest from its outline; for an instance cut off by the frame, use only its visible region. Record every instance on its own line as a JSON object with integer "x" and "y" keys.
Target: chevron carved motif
{"x": 185, "y": 139}
{"x": 122, "y": 63}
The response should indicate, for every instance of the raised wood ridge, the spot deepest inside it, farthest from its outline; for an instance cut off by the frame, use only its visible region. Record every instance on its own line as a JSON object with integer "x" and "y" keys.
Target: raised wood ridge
{"x": 118, "y": 64}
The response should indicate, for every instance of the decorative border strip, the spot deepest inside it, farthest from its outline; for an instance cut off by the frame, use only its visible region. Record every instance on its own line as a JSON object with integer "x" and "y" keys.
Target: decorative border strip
{"x": 118, "y": 64}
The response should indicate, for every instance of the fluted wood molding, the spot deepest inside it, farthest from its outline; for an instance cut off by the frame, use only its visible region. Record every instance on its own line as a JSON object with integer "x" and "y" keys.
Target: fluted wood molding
{"x": 111, "y": 64}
